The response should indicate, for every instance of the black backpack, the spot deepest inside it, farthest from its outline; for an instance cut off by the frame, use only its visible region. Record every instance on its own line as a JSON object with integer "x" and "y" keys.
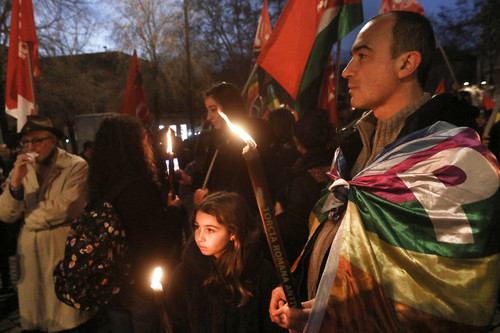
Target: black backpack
{"x": 96, "y": 264}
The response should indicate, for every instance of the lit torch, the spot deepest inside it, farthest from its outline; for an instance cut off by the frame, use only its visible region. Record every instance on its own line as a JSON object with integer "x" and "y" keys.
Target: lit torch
{"x": 261, "y": 191}
{"x": 170, "y": 164}
{"x": 159, "y": 298}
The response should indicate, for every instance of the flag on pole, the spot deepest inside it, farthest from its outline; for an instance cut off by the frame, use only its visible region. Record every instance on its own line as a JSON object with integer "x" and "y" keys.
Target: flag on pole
{"x": 407, "y": 5}
{"x": 253, "y": 91}
{"x": 440, "y": 87}
{"x": 23, "y": 66}
{"x": 297, "y": 51}
{"x": 263, "y": 29}
{"x": 327, "y": 99}
{"x": 134, "y": 99}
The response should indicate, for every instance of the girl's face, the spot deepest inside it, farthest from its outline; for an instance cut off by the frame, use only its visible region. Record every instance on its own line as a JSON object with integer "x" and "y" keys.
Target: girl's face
{"x": 213, "y": 115}
{"x": 210, "y": 236}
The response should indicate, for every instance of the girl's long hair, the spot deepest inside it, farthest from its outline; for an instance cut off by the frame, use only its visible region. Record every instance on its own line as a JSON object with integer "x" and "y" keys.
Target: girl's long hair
{"x": 231, "y": 211}
{"x": 121, "y": 152}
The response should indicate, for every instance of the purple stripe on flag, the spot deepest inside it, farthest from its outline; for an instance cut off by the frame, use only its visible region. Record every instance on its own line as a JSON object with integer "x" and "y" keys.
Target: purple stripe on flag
{"x": 389, "y": 185}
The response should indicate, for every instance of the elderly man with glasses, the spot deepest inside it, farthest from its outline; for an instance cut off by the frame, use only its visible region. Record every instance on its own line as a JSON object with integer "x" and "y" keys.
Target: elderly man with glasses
{"x": 47, "y": 188}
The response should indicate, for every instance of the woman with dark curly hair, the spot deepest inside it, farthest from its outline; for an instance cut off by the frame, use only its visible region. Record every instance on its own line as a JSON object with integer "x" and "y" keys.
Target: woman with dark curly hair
{"x": 223, "y": 283}
{"x": 122, "y": 161}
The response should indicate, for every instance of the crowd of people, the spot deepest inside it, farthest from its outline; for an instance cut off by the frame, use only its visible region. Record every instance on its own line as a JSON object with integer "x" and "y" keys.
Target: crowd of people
{"x": 210, "y": 239}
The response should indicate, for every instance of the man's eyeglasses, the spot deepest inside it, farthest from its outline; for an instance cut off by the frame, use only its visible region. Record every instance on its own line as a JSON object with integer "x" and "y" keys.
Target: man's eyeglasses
{"x": 35, "y": 142}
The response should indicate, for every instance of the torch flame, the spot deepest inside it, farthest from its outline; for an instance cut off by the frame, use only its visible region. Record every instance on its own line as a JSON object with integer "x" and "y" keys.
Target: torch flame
{"x": 241, "y": 133}
{"x": 169, "y": 141}
{"x": 155, "y": 282}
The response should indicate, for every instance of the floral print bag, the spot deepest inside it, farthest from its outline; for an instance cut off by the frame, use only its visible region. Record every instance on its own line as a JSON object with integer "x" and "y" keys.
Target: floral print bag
{"x": 96, "y": 264}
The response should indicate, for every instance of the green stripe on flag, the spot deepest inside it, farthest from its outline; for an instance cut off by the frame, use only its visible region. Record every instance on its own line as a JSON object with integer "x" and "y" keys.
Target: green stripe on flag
{"x": 408, "y": 226}
{"x": 350, "y": 16}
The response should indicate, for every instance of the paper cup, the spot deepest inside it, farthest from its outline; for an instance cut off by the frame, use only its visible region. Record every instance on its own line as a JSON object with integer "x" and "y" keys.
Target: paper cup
{"x": 32, "y": 156}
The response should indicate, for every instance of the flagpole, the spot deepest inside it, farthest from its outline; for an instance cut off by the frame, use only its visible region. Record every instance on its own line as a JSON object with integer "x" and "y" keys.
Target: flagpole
{"x": 32, "y": 84}
{"x": 337, "y": 70}
{"x": 491, "y": 120}
{"x": 446, "y": 61}
{"x": 247, "y": 84}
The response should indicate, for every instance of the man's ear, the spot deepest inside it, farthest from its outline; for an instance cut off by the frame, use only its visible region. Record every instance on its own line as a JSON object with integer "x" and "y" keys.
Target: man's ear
{"x": 408, "y": 63}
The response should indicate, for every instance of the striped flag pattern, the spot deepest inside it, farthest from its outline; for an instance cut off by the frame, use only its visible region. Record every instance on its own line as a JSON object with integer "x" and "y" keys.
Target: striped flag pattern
{"x": 301, "y": 41}
{"x": 419, "y": 247}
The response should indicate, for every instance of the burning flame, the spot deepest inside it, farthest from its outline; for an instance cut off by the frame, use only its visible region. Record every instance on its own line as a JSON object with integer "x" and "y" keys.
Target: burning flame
{"x": 241, "y": 133}
{"x": 169, "y": 141}
{"x": 155, "y": 282}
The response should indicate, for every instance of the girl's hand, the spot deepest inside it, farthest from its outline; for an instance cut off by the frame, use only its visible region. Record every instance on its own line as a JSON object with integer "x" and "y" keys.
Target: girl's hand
{"x": 184, "y": 178}
{"x": 176, "y": 202}
{"x": 199, "y": 195}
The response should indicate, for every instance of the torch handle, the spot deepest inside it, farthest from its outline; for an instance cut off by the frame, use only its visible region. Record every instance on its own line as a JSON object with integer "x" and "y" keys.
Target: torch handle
{"x": 160, "y": 301}
{"x": 205, "y": 182}
{"x": 271, "y": 228}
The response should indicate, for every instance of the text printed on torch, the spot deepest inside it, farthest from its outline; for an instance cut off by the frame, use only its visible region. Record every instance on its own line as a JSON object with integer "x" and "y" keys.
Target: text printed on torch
{"x": 277, "y": 250}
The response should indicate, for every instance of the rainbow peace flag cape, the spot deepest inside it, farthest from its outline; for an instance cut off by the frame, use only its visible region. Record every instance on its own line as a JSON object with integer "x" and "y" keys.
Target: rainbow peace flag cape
{"x": 419, "y": 244}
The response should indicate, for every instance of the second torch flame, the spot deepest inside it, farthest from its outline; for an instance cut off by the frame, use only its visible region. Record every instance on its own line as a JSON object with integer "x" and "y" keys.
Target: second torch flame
{"x": 156, "y": 281}
{"x": 170, "y": 165}
{"x": 242, "y": 134}
{"x": 169, "y": 141}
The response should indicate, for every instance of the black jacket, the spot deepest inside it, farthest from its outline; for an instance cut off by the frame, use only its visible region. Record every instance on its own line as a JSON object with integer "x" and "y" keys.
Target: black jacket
{"x": 305, "y": 180}
{"x": 153, "y": 236}
{"x": 193, "y": 307}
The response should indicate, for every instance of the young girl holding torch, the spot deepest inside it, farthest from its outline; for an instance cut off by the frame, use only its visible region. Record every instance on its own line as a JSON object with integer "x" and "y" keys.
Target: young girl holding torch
{"x": 223, "y": 283}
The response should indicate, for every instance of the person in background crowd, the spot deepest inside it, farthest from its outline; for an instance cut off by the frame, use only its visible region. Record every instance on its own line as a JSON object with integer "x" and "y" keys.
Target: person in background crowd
{"x": 47, "y": 187}
{"x": 8, "y": 231}
{"x": 481, "y": 120}
{"x": 306, "y": 178}
{"x": 87, "y": 151}
{"x": 282, "y": 122}
{"x": 420, "y": 189}
{"x": 223, "y": 283}
{"x": 494, "y": 140}
{"x": 122, "y": 158}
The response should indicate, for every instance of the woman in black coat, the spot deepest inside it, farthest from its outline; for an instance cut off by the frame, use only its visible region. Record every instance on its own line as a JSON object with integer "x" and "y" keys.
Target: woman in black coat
{"x": 122, "y": 165}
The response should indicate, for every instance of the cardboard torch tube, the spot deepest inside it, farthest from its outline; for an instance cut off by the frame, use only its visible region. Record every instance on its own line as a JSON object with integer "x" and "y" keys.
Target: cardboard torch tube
{"x": 259, "y": 183}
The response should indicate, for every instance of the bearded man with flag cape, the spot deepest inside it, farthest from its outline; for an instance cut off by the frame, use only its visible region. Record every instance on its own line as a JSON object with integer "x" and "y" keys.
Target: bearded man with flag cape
{"x": 406, "y": 237}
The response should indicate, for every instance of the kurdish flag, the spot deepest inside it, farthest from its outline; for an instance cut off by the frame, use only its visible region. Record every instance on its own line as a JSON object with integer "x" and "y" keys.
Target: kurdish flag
{"x": 297, "y": 51}
{"x": 419, "y": 248}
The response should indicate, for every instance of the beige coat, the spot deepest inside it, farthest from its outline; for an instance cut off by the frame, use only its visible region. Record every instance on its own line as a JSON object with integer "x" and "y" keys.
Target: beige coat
{"x": 48, "y": 210}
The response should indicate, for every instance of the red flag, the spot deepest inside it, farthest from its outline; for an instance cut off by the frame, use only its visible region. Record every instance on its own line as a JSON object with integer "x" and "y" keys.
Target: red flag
{"x": 327, "y": 99}
{"x": 487, "y": 102}
{"x": 20, "y": 99}
{"x": 407, "y": 5}
{"x": 263, "y": 30}
{"x": 134, "y": 100}
{"x": 440, "y": 87}
{"x": 298, "y": 48}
